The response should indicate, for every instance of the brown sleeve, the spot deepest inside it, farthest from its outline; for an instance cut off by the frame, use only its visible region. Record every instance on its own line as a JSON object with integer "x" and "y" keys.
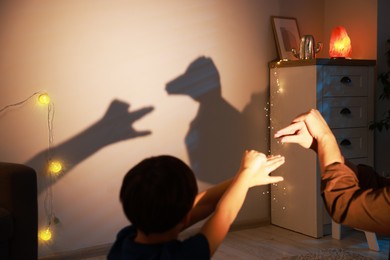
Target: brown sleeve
{"x": 368, "y": 178}
{"x": 347, "y": 203}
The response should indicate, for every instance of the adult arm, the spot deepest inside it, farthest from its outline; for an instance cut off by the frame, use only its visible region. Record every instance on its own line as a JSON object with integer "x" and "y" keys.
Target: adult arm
{"x": 351, "y": 197}
{"x": 367, "y": 176}
{"x": 349, "y": 204}
{"x": 310, "y": 130}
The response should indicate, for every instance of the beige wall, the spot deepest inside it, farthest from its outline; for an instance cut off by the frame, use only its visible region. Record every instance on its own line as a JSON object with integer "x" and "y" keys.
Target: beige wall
{"x": 318, "y": 18}
{"x": 310, "y": 17}
{"x": 359, "y": 17}
{"x": 86, "y": 54}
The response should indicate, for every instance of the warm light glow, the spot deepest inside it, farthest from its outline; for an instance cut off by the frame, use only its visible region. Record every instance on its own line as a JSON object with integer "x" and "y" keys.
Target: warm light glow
{"x": 340, "y": 43}
{"x": 45, "y": 234}
{"x": 55, "y": 167}
{"x": 44, "y": 99}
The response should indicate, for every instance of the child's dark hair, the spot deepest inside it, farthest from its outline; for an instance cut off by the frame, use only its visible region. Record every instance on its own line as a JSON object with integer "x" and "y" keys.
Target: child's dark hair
{"x": 158, "y": 193}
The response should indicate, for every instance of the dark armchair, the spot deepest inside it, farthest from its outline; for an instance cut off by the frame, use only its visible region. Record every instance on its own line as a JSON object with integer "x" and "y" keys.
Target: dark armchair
{"x": 18, "y": 212}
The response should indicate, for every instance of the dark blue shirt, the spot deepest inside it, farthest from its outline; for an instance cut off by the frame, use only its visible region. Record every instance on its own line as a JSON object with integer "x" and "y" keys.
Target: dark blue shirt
{"x": 195, "y": 247}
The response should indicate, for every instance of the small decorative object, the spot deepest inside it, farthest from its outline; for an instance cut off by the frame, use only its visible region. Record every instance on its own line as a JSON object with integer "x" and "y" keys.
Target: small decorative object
{"x": 307, "y": 48}
{"x": 340, "y": 44}
{"x": 286, "y": 36}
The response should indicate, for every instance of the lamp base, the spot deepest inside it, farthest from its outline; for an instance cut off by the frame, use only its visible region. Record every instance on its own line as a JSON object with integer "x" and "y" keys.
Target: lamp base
{"x": 340, "y": 58}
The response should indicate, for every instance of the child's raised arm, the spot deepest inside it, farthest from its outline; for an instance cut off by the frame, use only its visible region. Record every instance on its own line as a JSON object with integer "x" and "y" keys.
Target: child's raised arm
{"x": 255, "y": 169}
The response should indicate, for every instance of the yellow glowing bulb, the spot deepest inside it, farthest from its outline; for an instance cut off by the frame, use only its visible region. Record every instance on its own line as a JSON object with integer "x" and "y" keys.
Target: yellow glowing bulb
{"x": 44, "y": 99}
{"x": 55, "y": 167}
{"x": 45, "y": 234}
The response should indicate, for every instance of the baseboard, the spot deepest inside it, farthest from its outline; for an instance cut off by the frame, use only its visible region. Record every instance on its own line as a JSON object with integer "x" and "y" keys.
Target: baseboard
{"x": 102, "y": 250}
{"x": 245, "y": 224}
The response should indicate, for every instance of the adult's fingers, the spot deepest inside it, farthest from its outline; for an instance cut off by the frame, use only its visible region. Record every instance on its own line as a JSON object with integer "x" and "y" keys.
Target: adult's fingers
{"x": 289, "y": 130}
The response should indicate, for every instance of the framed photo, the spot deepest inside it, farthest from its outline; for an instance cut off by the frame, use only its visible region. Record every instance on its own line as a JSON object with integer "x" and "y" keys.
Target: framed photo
{"x": 287, "y": 36}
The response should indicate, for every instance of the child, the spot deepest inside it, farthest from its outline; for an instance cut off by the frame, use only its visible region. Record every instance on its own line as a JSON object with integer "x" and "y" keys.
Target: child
{"x": 160, "y": 198}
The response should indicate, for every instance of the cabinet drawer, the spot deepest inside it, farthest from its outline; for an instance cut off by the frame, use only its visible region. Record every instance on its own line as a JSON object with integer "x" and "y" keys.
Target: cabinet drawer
{"x": 352, "y": 142}
{"x": 345, "y": 81}
{"x": 345, "y": 112}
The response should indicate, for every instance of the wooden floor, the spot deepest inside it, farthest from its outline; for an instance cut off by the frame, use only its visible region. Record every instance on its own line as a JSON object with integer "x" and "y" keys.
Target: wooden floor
{"x": 272, "y": 242}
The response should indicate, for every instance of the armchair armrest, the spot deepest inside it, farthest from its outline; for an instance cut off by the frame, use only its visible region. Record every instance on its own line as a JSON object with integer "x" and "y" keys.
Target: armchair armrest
{"x": 18, "y": 196}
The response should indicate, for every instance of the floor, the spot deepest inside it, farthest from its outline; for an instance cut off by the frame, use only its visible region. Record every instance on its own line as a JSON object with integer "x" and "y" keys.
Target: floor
{"x": 271, "y": 242}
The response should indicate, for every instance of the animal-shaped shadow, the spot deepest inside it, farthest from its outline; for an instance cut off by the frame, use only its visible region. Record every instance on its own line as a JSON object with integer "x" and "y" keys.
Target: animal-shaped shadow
{"x": 219, "y": 133}
{"x": 116, "y": 125}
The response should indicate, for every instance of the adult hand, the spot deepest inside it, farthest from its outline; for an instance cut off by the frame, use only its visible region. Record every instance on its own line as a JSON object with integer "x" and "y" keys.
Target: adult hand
{"x": 315, "y": 124}
{"x": 312, "y": 126}
{"x": 295, "y": 133}
{"x": 306, "y": 130}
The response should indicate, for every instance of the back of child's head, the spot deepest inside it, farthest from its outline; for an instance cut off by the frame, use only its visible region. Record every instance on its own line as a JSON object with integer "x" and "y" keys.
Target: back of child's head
{"x": 158, "y": 193}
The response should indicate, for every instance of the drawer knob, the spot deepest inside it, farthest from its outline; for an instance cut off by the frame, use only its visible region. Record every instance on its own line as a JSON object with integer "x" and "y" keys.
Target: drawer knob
{"x": 345, "y": 80}
{"x": 345, "y": 111}
{"x": 345, "y": 142}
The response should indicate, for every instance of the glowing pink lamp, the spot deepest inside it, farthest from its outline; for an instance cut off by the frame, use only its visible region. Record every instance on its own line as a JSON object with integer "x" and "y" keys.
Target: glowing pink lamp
{"x": 340, "y": 44}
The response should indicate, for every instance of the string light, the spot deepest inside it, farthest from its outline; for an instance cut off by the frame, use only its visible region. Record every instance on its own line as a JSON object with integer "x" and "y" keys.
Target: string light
{"x": 54, "y": 167}
{"x": 45, "y": 234}
{"x": 278, "y": 203}
{"x": 44, "y": 99}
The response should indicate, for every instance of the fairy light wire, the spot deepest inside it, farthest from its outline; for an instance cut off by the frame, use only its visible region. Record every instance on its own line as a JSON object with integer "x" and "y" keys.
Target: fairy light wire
{"x": 19, "y": 103}
{"x": 48, "y": 201}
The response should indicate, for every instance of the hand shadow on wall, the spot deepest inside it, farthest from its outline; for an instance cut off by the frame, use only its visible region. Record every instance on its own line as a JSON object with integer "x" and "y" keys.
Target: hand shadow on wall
{"x": 116, "y": 125}
{"x": 219, "y": 133}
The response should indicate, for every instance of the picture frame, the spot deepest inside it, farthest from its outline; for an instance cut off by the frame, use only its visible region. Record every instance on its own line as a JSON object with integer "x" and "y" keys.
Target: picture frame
{"x": 287, "y": 36}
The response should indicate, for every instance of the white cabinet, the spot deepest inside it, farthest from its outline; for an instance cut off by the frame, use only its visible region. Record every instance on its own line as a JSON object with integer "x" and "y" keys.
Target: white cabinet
{"x": 343, "y": 91}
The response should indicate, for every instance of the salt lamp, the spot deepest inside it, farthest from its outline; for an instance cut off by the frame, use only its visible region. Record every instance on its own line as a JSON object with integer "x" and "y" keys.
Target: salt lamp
{"x": 340, "y": 43}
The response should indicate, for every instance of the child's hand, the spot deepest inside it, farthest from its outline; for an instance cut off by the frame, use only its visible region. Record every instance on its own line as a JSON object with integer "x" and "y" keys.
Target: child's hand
{"x": 259, "y": 166}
